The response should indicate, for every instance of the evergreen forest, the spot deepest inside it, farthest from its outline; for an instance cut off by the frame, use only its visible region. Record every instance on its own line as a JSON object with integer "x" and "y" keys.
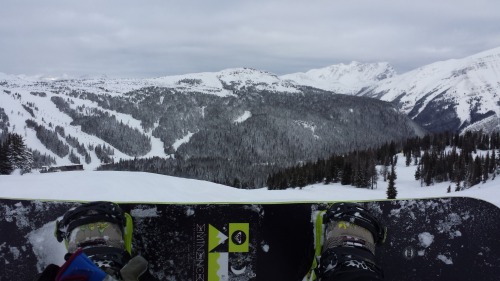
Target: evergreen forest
{"x": 465, "y": 160}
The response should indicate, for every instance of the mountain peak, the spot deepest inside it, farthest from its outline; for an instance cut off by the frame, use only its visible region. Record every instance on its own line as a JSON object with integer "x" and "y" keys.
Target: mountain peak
{"x": 344, "y": 78}
{"x": 242, "y": 74}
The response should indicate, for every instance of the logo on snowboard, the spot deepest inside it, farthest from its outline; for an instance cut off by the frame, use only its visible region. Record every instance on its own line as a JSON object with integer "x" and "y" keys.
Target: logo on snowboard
{"x": 239, "y": 237}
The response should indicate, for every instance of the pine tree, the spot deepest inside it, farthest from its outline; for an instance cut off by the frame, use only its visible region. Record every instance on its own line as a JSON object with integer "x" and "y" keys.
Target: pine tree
{"x": 491, "y": 167}
{"x": 408, "y": 159}
{"x": 73, "y": 158}
{"x": 88, "y": 159}
{"x": 236, "y": 183}
{"x": 485, "y": 168}
{"x": 476, "y": 173}
{"x": 391, "y": 189}
{"x": 374, "y": 176}
{"x": 18, "y": 154}
{"x": 5, "y": 165}
{"x": 417, "y": 173}
{"x": 384, "y": 172}
{"x": 346, "y": 174}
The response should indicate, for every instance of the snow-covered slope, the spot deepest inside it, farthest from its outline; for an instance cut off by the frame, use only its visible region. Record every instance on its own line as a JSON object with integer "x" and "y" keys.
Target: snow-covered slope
{"x": 17, "y": 92}
{"x": 146, "y": 187}
{"x": 447, "y": 95}
{"x": 16, "y": 95}
{"x": 344, "y": 78}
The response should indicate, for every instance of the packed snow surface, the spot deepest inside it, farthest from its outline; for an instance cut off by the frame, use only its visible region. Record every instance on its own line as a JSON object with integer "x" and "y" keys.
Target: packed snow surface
{"x": 147, "y": 187}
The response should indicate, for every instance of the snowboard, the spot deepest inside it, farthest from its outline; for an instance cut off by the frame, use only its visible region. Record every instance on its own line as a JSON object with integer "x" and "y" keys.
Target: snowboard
{"x": 427, "y": 239}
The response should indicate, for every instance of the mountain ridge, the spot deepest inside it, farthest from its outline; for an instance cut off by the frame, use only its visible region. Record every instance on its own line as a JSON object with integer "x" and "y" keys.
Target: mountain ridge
{"x": 344, "y": 78}
{"x": 446, "y": 95}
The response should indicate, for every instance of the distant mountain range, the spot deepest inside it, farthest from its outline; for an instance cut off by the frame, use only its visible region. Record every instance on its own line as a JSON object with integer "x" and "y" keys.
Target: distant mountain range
{"x": 454, "y": 95}
{"x": 242, "y": 123}
{"x": 233, "y": 124}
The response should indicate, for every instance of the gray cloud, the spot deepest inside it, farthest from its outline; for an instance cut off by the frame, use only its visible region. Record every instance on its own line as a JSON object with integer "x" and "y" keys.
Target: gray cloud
{"x": 154, "y": 38}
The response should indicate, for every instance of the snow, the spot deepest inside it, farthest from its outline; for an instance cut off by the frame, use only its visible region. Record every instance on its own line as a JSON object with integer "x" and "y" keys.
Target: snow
{"x": 214, "y": 82}
{"x": 243, "y": 117}
{"x": 265, "y": 248}
{"x": 309, "y": 126}
{"x": 445, "y": 259}
{"x": 183, "y": 140}
{"x": 144, "y": 213}
{"x": 146, "y": 187}
{"x": 425, "y": 239}
{"x": 343, "y": 78}
{"x": 463, "y": 81}
{"x": 47, "y": 249}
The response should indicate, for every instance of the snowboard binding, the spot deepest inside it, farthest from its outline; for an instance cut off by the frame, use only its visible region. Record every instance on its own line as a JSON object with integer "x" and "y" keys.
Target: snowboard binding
{"x": 102, "y": 230}
{"x": 349, "y": 249}
{"x": 357, "y": 215}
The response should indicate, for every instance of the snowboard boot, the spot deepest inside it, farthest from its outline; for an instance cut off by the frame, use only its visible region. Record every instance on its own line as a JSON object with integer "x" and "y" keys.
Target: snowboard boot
{"x": 102, "y": 231}
{"x": 348, "y": 253}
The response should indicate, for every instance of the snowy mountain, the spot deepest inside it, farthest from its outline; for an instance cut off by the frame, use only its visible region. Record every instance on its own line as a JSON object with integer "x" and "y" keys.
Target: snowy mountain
{"x": 344, "y": 78}
{"x": 458, "y": 94}
{"x": 222, "y": 126}
{"x": 226, "y": 82}
{"x": 221, "y": 83}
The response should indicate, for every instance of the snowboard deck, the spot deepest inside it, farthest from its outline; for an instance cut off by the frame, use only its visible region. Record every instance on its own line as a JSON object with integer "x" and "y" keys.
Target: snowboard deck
{"x": 428, "y": 239}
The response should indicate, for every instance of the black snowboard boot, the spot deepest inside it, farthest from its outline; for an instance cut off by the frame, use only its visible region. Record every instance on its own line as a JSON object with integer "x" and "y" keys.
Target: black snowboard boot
{"x": 100, "y": 229}
{"x": 348, "y": 253}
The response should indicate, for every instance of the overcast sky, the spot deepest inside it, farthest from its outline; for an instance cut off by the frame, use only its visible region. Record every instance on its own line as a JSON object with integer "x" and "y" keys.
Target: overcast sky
{"x": 156, "y": 38}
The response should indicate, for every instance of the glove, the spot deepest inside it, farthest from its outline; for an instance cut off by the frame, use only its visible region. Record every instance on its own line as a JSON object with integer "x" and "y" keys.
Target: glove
{"x": 80, "y": 268}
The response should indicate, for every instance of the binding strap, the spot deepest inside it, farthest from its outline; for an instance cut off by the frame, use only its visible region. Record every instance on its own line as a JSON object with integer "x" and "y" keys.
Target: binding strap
{"x": 89, "y": 213}
{"x": 353, "y": 213}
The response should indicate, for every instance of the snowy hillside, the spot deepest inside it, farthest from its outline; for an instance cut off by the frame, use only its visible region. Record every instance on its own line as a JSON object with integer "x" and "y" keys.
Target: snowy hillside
{"x": 344, "y": 78}
{"x": 19, "y": 92}
{"x": 36, "y": 92}
{"x": 447, "y": 95}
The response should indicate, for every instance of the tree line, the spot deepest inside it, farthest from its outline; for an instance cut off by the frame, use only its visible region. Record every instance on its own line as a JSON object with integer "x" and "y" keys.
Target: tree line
{"x": 356, "y": 168}
{"x": 106, "y": 127}
{"x": 466, "y": 160}
{"x": 49, "y": 138}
